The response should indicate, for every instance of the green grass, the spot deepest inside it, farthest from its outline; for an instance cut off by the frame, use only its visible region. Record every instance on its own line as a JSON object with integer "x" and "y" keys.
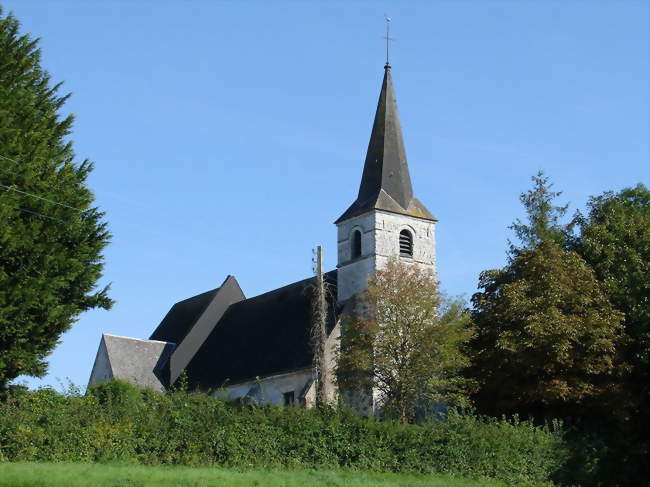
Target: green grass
{"x": 112, "y": 475}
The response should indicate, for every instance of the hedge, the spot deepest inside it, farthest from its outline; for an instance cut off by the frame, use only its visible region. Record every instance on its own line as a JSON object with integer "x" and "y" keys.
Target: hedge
{"x": 117, "y": 422}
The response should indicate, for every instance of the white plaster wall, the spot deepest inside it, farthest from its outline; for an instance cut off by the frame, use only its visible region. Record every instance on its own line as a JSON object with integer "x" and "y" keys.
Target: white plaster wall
{"x": 269, "y": 390}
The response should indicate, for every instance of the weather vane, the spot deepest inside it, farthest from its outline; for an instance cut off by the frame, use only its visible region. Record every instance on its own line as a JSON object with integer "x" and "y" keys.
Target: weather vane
{"x": 388, "y": 38}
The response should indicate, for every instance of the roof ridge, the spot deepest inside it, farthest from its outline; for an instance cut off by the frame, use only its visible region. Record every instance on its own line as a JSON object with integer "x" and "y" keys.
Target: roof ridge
{"x": 288, "y": 285}
{"x": 135, "y": 339}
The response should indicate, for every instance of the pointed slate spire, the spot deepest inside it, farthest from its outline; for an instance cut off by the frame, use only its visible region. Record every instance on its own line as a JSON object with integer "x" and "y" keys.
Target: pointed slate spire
{"x": 386, "y": 183}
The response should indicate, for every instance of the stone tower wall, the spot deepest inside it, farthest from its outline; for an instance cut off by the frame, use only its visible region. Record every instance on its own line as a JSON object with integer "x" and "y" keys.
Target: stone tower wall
{"x": 380, "y": 241}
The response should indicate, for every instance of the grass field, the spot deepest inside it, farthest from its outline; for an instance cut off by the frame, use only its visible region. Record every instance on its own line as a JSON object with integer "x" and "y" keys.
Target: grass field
{"x": 110, "y": 475}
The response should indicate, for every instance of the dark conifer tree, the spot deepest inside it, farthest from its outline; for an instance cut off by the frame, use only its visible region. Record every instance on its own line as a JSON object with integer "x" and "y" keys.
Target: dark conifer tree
{"x": 51, "y": 235}
{"x": 543, "y": 215}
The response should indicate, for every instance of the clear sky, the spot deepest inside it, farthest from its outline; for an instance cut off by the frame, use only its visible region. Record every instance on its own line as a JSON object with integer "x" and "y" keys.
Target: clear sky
{"x": 228, "y": 136}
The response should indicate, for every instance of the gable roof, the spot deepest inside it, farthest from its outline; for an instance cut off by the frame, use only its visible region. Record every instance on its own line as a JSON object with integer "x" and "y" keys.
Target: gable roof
{"x": 260, "y": 336}
{"x": 228, "y": 293}
{"x": 191, "y": 321}
{"x": 131, "y": 359}
{"x": 386, "y": 183}
{"x": 180, "y": 318}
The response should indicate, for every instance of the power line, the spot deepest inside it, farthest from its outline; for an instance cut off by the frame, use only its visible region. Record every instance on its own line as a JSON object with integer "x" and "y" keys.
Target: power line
{"x": 33, "y": 212}
{"x": 9, "y": 159}
{"x": 32, "y": 194}
{"x": 39, "y": 197}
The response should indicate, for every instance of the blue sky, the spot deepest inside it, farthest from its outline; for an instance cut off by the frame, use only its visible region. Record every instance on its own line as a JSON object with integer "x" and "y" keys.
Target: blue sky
{"x": 228, "y": 136}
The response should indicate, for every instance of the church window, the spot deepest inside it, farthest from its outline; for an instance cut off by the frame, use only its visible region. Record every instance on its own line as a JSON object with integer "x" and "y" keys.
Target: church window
{"x": 405, "y": 244}
{"x": 289, "y": 398}
{"x": 356, "y": 244}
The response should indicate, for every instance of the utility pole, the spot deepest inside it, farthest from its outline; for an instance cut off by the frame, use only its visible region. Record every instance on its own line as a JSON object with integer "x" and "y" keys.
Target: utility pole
{"x": 319, "y": 327}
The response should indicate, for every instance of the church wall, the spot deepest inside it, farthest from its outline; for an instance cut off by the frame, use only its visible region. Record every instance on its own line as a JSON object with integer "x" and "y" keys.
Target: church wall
{"x": 353, "y": 275}
{"x": 332, "y": 346}
{"x": 366, "y": 224}
{"x": 268, "y": 390}
{"x": 387, "y": 229}
{"x": 101, "y": 371}
{"x": 379, "y": 242}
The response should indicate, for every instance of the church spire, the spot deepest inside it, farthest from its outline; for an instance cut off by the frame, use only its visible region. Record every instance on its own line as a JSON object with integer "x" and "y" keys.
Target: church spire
{"x": 386, "y": 183}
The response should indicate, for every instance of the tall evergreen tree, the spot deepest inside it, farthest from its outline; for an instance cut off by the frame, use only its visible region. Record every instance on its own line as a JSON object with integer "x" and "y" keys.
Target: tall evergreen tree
{"x": 543, "y": 215}
{"x": 51, "y": 235}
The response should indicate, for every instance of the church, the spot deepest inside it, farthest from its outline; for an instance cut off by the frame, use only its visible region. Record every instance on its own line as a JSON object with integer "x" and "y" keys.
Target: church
{"x": 259, "y": 348}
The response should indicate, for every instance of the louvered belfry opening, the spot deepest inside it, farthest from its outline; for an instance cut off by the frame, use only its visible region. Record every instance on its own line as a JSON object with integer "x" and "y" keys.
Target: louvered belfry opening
{"x": 405, "y": 244}
{"x": 356, "y": 244}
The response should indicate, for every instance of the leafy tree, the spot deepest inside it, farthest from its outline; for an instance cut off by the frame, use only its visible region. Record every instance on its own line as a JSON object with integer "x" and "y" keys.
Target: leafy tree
{"x": 543, "y": 216}
{"x": 547, "y": 335}
{"x": 51, "y": 236}
{"x": 614, "y": 239}
{"x": 404, "y": 340}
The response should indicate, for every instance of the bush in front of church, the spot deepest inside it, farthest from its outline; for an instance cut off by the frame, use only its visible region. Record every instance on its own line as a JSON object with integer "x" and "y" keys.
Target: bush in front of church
{"x": 117, "y": 422}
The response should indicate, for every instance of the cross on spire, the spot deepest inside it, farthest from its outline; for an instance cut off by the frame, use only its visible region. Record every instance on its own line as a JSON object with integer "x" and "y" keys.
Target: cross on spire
{"x": 388, "y": 38}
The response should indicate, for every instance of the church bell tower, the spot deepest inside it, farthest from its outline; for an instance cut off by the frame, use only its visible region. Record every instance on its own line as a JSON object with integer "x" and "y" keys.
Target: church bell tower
{"x": 385, "y": 220}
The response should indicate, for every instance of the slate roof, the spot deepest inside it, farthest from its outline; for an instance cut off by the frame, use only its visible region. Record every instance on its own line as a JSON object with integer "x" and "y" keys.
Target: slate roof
{"x": 260, "y": 336}
{"x": 201, "y": 326}
{"x": 386, "y": 183}
{"x": 132, "y": 359}
{"x": 181, "y": 317}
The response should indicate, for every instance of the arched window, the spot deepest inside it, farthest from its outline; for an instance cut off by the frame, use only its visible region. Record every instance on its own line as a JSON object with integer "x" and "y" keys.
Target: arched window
{"x": 405, "y": 244}
{"x": 356, "y": 244}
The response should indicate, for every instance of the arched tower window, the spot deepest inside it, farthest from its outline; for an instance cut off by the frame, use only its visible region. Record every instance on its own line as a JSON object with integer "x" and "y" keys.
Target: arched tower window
{"x": 356, "y": 244}
{"x": 405, "y": 244}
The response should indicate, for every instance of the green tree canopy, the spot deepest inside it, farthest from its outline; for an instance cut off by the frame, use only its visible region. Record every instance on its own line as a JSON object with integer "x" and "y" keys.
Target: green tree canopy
{"x": 405, "y": 341}
{"x": 547, "y": 335}
{"x": 51, "y": 235}
{"x": 615, "y": 240}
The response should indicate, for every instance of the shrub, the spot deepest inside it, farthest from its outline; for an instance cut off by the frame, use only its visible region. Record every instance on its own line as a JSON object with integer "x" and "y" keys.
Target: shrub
{"x": 116, "y": 421}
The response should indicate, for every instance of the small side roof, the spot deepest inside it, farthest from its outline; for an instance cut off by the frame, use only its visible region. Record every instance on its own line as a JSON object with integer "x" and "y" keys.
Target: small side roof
{"x": 131, "y": 359}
